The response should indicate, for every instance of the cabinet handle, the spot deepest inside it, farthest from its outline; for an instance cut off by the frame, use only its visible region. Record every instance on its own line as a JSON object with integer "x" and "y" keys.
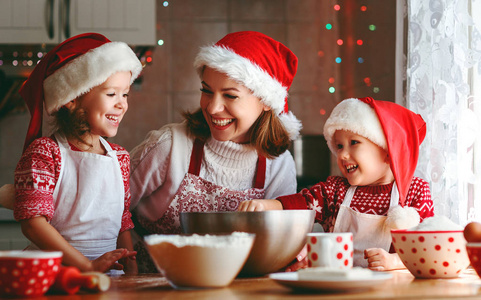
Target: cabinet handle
{"x": 50, "y": 30}
{"x": 66, "y": 18}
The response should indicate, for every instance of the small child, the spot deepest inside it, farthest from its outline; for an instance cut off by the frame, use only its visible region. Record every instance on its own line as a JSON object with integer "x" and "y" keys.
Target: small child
{"x": 377, "y": 145}
{"x": 72, "y": 188}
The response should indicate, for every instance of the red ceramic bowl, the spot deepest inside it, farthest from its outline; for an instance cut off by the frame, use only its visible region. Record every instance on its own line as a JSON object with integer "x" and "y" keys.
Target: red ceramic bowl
{"x": 28, "y": 273}
{"x": 432, "y": 254}
{"x": 474, "y": 254}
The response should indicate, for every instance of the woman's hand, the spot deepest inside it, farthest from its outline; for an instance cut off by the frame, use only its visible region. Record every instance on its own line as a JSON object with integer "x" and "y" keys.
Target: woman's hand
{"x": 260, "y": 205}
{"x": 380, "y": 260}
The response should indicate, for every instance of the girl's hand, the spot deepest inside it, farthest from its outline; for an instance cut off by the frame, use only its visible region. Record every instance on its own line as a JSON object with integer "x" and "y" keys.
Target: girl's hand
{"x": 300, "y": 262}
{"x": 296, "y": 265}
{"x": 380, "y": 260}
{"x": 260, "y": 205}
{"x": 109, "y": 260}
{"x": 130, "y": 263}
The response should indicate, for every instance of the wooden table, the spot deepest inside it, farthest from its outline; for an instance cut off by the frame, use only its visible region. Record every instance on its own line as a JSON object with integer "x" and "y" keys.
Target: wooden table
{"x": 402, "y": 286}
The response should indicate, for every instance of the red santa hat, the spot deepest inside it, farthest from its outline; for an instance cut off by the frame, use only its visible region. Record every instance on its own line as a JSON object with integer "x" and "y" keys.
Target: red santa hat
{"x": 388, "y": 125}
{"x": 261, "y": 64}
{"x": 70, "y": 70}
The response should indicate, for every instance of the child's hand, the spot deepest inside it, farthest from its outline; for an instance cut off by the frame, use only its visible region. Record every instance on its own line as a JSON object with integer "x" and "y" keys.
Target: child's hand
{"x": 130, "y": 263}
{"x": 300, "y": 262}
{"x": 296, "y": 265}
{"x": 260, "y": 205}
{"x": 109, "y": 260}
{"x": 380, "y": 260}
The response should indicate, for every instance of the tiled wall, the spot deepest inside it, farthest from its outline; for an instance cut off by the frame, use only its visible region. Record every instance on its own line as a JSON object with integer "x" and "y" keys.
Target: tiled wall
{"x": 170, "y": 84}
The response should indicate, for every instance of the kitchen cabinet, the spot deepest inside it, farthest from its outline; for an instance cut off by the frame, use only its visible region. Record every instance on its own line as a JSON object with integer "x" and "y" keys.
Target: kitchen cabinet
{"x": 11, "y": 236}
{"x": 52, "y": 21}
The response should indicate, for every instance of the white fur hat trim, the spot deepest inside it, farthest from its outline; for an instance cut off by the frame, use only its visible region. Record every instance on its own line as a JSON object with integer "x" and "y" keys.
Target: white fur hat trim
{"x": 357, "y": 117}
{"x": 399, "y": 217}
{"x": 268, "y": 89}
{"x": 88, "y": 71}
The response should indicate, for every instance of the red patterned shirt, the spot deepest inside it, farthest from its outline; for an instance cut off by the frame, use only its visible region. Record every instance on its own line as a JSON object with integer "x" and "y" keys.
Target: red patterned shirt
{"x": 326, "y": 198}
{"x": 37, "y": 174}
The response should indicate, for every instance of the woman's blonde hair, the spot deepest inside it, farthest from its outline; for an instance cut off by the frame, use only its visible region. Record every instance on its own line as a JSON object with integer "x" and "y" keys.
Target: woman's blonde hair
{"x": 267, "y": 135}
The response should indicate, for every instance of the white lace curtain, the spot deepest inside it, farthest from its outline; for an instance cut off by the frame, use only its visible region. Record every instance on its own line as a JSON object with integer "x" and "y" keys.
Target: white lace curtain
{"x": 444, "y": 86}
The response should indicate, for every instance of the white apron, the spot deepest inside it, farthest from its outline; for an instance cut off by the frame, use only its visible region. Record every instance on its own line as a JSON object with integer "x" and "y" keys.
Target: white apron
{"x": 368, "y": 230}
{"x": 194, "y": 194}
{"x": 89, "y": 199}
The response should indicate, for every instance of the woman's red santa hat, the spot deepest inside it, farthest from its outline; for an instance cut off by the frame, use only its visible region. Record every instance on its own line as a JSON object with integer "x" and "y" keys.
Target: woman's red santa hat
{"x": 260, "y": 63}
{"x": 70, "y": 70}
{"x": 392, "y": 127}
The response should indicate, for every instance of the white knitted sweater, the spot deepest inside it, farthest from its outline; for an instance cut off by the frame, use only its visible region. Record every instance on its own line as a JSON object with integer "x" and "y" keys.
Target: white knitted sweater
{"x": 160, "y": 162}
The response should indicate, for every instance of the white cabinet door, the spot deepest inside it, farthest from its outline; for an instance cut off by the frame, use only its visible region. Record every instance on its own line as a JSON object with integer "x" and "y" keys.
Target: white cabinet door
{"x": 29, "y": 21}
{"x": 130, "y": 21}
{"x": 52, "y": 21}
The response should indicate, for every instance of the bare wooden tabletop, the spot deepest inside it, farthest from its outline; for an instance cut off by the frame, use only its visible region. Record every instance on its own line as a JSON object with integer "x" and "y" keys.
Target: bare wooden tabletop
{"x": 401, "y": 286}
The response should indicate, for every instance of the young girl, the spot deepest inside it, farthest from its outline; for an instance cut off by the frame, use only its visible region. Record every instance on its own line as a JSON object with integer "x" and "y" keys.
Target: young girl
{"x": 233, "y": 148}
{"x": 72, "y": 188}
{"x": 376, "y": 144}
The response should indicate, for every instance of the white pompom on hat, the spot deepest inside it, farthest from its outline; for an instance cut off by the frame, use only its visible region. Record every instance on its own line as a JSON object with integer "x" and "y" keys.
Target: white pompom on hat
{"x": 260, "y": 63}
{"x": 399, "y": 217}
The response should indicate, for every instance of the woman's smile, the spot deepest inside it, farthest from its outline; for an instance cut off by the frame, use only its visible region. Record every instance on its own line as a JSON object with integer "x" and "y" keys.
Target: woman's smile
{"x": 221, "y": 123}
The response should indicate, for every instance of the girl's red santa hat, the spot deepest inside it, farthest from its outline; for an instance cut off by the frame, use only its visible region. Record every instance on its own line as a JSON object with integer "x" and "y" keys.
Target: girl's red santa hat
{"x": 395, "y": 129}
{"x": 70, "y": 70}
{"x": 260, "y": 63}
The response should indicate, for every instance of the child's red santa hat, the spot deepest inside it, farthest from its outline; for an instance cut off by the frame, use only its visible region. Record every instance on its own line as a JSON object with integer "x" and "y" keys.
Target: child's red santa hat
{"x": 70, "y": 70}
{"x": 388, "y": 125}
{"x": 260, "y": 63}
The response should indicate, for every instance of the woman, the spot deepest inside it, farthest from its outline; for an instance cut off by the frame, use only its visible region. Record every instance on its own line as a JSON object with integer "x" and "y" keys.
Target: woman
{"x": 232, "y": 149}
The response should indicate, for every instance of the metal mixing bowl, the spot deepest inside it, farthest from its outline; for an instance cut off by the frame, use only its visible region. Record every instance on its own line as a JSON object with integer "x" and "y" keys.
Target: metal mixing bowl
{"x": 280, "y": 234}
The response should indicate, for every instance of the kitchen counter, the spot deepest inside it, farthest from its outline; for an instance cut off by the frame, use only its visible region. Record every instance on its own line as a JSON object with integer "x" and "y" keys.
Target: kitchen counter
{"x": 402, "y": 286}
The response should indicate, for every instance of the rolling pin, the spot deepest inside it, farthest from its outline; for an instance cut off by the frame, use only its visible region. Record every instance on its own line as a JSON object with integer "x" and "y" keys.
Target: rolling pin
{"x": 70, "y": 280}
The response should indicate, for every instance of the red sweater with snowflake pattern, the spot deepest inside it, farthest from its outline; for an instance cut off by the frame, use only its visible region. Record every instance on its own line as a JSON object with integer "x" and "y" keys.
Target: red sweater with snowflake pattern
{"x": 37, "y": 174}
{"x": 326, "y": 198}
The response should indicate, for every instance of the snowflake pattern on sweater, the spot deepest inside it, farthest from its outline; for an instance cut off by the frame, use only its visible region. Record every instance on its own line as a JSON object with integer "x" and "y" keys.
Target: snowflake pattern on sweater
{"x": 326, "y": 198}
{"x": 37, "y": 174}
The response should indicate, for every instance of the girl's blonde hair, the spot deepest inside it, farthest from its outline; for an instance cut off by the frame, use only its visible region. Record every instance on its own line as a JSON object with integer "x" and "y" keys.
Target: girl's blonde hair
{"x": 267, "y": 135}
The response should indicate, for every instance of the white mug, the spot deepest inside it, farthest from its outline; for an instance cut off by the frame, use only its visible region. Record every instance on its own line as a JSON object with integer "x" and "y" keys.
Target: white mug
{"x": 330, "y": 249}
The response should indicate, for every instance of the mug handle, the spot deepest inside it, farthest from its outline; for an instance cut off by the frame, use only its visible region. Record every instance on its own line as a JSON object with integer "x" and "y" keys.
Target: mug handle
{"x": 325, "y": 258}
